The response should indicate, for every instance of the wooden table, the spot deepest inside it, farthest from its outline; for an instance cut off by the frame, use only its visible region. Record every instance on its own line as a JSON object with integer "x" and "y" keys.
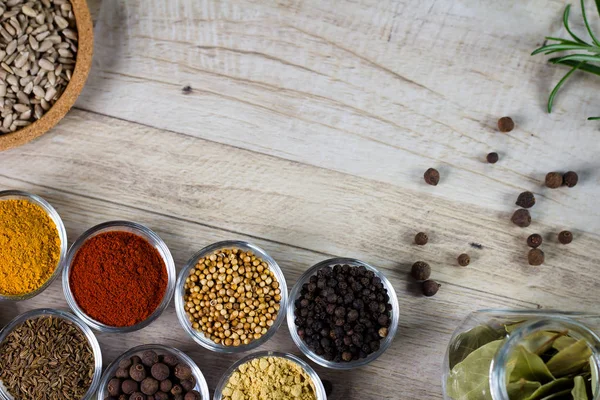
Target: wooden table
{"x": 305, "y": 126}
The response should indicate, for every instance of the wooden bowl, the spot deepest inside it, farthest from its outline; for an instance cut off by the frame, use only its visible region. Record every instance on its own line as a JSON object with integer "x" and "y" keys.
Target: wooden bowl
{"x": 83, "y": 63}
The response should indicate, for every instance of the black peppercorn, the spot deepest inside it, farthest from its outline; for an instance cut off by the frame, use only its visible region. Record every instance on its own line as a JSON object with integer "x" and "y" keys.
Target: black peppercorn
{"x": 183, "y": 371}
{"x": 114, "y": 387}
{"x": 535, "y": 257}
{"x": 521, "y": 218}
{"x": 565, "y": 237}
{"x": 137, "y": 396}
{"x": 492, "y": 158}
{"x": 421, "y": 238}
{"x": 193, "y": 395}
{"x": 149, "y": 358}
{"x": 129, "y": 386}
{"x": 554, "y": 180}
{"x": 432, "y": 176}
{"x": 534, "y": 240}
{"x": 506, "y": 124}
{"x": 570, "y": 178}
{"x": 165, "y": 386}
{"x": 149, "y": 386}
{"x": 160, "y": 371}
{"x": 430, "y": 288}
{"x": 122, "y": 373}
{"x": 464, "y": 260}
{"x": 137, "y": 372}
{"x": 421, "y": 271}
{"x": 526, "y": 200}
{"x": 176, "y": 389}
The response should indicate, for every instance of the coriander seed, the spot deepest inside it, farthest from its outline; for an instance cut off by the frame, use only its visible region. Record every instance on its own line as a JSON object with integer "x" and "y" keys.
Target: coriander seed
{"x": 421, "y": 271}
{"x": 565, "y": 237}
{"x": 430, "y": 288}
{"x": 432, "y": 176}
{"x": 464, "y": 260}
{"x": 421, "y": 238}
{"x": 554, "y": 180}
{"x": 492, "y": 158}
{"x": 535, "y": 257}
{"x": 521, "y": 218}
{"x": 506, "y": 124}
{"x": 526, "y": 200}
{"x": 534, "y": 240}
{"x": 570, "y": 178}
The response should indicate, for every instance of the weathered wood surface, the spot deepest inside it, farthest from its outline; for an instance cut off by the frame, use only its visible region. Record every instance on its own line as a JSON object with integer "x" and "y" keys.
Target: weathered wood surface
{"x": 307, "y": 129}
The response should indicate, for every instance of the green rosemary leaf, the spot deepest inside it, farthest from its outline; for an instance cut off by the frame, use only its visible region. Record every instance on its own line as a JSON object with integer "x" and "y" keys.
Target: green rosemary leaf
{"x": 584, "y": 67}
{"x": 559, "y": 85}
{"x": 565, "y": 41}
{"x": 594, "y": 119}
{"x": 598, "y": 6}
{"x": 587, "y": 24}
{"x": 566, "y": 23}
{"x": 553, "y": 48}
{"x": 580, "y": 57}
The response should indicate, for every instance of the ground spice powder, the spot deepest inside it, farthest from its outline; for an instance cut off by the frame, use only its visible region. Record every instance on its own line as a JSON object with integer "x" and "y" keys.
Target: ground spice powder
{"x": 269, "y": 378}
{"x": 118, "y": 278}
{"x": 29, "y": 247}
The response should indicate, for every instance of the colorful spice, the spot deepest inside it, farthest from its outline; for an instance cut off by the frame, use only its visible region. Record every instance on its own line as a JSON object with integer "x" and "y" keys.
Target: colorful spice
{"x": 421, "y": 238}
{"x": 565, "y": 237}
{"x": 118, "y": 278}
{"x": 232, "y": 297}
{"x": 29, "y": 247}
{"x": 554, "y": 180}
{"x": 534, "y": 240}
{"x": 464, "y": 260}
{"x": 153, "y": 376}
{"x": 421, "y": 271}
{"x": 430, "y": 288}
{"x": 343, "y": 313}
{"x": 46, "y": 358}
{"x": 535, "y": 257}
{"x": 526, "y": 200}
{"x": 432, "y": 176}
{"x": 521, "y": 218}
{"x": 506, "y": 124}
{"x": 570, "y": 178}
{"x": 269, "y": 378}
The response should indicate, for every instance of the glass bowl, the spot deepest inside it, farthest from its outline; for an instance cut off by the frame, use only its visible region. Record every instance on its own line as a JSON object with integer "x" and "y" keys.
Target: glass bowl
{"x": 319, "y": 389}
{"x": 199, "y": 336}
{"x": 110, "y": 371}
{"x": 4, "y": 395}
{"x": 384, "y": 344}
{"x": 62, "y": 234}
{"x": 120, "y": 226}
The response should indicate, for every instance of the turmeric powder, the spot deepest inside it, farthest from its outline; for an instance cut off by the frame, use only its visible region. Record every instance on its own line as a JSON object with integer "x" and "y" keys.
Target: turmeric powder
{"x": 29, "y": 247}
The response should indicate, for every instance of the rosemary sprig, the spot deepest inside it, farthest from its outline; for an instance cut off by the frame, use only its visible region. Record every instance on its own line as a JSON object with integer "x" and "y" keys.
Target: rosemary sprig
{"x": 586, "y": 54}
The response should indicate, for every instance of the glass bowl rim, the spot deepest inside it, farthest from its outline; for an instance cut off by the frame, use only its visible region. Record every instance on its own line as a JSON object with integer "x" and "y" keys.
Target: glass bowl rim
{"x": 201, "y": 384}
{"x": 319, "y": 388}
{"x": 139, "y": 230}
{"x": 198, "y": 337}
{"x": 62, "y": 234}
{"x": 385, "y": 344}
{"x": 66, "y": 315}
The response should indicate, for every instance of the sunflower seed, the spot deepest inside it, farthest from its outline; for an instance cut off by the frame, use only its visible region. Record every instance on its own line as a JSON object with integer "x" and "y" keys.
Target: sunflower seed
{"x": 45, "y": 64}
{"x": 30, "y": 12}
{"x": 38, "y": 91}
{"x": 50, "y": 93}
{"x": 21, "y": 108}
{"x": 26, "y": 115}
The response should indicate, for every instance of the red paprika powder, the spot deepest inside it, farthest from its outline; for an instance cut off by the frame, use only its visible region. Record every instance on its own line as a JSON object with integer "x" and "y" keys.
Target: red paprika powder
{"x": 118, "y": 278}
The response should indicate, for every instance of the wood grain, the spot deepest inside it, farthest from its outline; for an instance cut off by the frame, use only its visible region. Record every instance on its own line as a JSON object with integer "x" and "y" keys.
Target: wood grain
{"x": 306, "y": 129}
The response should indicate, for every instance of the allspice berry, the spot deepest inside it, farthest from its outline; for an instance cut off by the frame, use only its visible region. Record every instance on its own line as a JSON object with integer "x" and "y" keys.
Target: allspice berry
{"x": 430, "y": 288}
{"x": 432, "y": 176}
{"x": 188, "y": 384}
{"x": 149, "y": 358}
{"x": 492, "y": 158}
{"x": 122, "y": 373}
{"x": 421, "y": 238}
{"x": 135, "y": 360}
{"x": 137, "y": 372}
{"x": 176, "y": 389}
{"x": 464, "y": 260}
{"x": 535, "y": 257}
{"x": 506, "y": 124}
{"x": 137, "y": 396}
{"x": 526, "y": 200}
{"x": 521, "y": 218}
{"x": 534, "y": 240}
{"x": 114, "y": 387}
{"x": 193, "y": 395}
{"x": 161, "y": 396}
{"x": 160, "y": 371}
{"x": 149, "y": 386}
{"x": 125, "y": 363}
{"x": 166, "y": 386}
{"x": 169, "y": 360}
{"x": 565, "y": 237}
{"x": 129, "y": 386}
{"x": 421, "y": 271}
{"x": 183, "y": 371}
{"x": 571, "y": 178}
{"x": 554, "y": 180}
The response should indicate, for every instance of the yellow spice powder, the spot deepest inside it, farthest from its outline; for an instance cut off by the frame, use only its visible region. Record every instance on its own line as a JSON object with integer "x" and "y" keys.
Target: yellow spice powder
{"x": 269, "y": 378}
{"x": 29, "y": 247}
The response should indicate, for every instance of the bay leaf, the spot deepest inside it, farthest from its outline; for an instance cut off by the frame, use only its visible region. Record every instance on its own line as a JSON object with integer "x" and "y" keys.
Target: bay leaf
{"x": 522, "y": 390}
{"x": 469, "y": 341}
{"x": 469, "y": 379}
{"x": 564, "y": 395}
{"x": 595, "y": 372}
{"x": 523, "y": 364}
{"x": 550, "y": 388}
{"x": 579, "y": 392}
{"x": 510, "y": 327}
{"x": 541, "y": 341}
{"x": 563, "y": 342}
{"x": 570, "y": 360}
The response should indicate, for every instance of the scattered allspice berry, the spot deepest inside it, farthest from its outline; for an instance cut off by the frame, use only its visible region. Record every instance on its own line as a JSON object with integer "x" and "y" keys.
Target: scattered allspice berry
{"x": 421, "y": 238}
{"x": 432, "y": 176}
{"x": 421, "y": 271}
{"x": 492, "y": 158}
{"x": 464, "y": 260}
{"x": 534, "y": 240}
{"x": 521, "y": 218}
{"x": 535, "y": 257}
{"x": 571, "y": 178}
{"x": 526, "y": 200}
{"x": 554, "y": 180}
{"x": 506, "y": 124}
{"x": 430, "y": 288}
{"x": 565, "y": 237}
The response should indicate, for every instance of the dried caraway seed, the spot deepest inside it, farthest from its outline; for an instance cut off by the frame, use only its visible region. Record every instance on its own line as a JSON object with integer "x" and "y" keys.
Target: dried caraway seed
{"x": 492, "y": 158}
{"x": 565, "y": 237}
{"x": 464, "y": 260}
{"x": 421, "y": 238}
{"x": 506, "y": 124}
{"x": 526, "y": 200}
{"x": 534, "y": 240}
{"x": 554, "y": 180}
{"x": 432, "y": 176}
{"x": 421, "y": 271}
{"x": 521, "y": 218}
{"x": 430, "y": 288}
{"x": 570, "y": 178}
{"x": 535, "y": 257}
